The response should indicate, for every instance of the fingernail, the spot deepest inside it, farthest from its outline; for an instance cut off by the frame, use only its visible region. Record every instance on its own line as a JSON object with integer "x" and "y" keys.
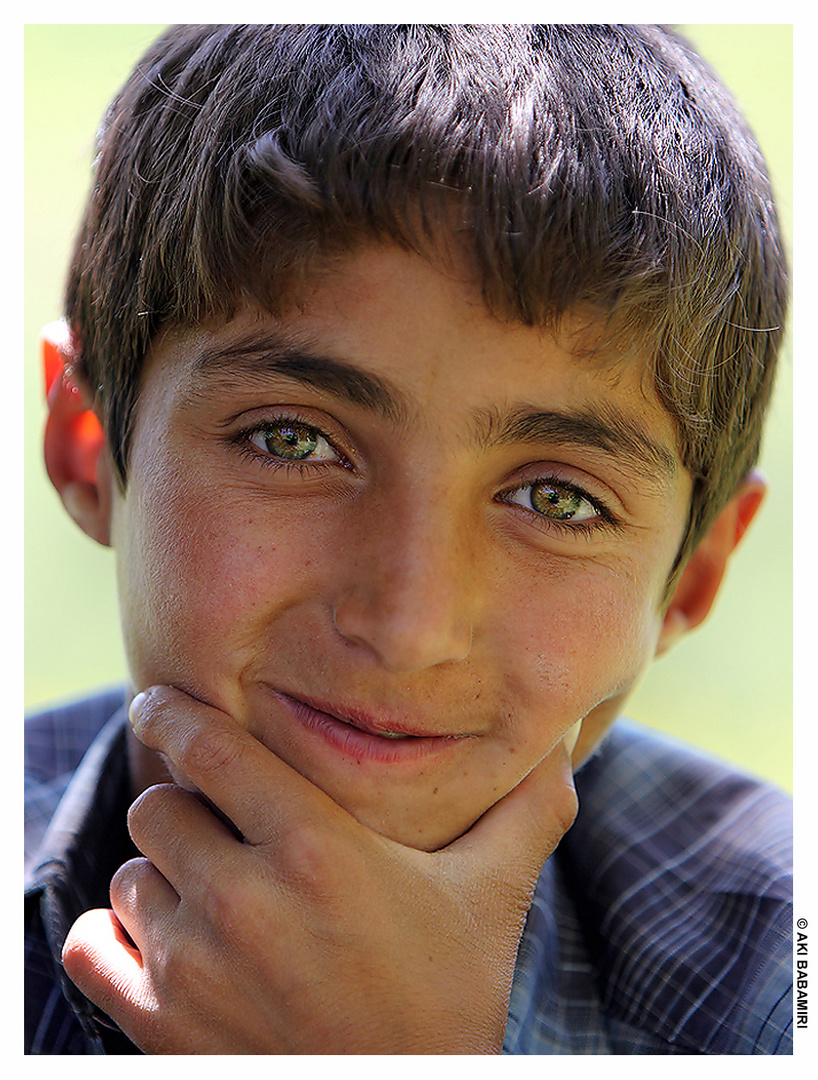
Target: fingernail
{"x": 137, "y": 707}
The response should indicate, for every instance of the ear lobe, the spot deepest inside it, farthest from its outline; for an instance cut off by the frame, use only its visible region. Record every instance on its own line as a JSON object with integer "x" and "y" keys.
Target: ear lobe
{"x": 701, "y": 579}
{"x": 74, "y": 443}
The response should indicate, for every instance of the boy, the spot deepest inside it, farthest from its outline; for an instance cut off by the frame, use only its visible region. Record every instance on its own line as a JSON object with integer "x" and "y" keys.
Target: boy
{"x": 416, "y": 376}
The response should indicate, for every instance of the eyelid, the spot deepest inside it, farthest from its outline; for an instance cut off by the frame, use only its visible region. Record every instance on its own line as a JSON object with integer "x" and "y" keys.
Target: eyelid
{"x": 269, "y": 419}
{"x": 567, "y": 474}
{"x": 604, "y": 519}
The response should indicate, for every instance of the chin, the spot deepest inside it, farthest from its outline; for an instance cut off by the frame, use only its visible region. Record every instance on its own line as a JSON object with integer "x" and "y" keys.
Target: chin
{"x": 422, "y": 828}
{"x": 431, "y": 836}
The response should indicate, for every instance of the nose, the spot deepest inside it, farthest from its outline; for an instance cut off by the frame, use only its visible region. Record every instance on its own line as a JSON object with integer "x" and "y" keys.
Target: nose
{"x": 409, "y": 592}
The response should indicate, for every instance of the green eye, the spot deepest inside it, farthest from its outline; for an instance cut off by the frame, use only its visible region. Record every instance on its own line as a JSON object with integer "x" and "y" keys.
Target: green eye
{"x": 290, "y": 441}
{"x": 556, "y": 501}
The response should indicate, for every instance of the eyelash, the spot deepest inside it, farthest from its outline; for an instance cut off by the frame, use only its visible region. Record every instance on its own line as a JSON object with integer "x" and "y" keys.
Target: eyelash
{"x": 604, "y": 518}
{"x": 243, "y": 441}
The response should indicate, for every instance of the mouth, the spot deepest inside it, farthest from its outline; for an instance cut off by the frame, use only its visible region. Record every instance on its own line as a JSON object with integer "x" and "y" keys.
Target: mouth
{"x": 363, "y": 735}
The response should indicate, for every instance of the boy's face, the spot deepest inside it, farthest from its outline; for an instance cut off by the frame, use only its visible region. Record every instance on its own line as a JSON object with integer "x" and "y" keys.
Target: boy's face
{"x": 390, "y": 514}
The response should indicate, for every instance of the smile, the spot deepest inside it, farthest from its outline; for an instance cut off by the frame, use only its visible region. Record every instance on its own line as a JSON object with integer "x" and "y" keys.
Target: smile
{"x": 364, "y": 736}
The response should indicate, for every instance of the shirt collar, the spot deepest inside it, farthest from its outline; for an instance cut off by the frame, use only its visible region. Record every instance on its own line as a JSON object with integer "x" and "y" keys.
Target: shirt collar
{"x": 87, "y": 833}
{"x": 86, "y": 842}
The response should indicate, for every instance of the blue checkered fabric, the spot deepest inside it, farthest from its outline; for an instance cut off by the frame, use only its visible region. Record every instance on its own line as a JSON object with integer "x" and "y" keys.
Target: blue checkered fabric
{"x": 662, "y": 925}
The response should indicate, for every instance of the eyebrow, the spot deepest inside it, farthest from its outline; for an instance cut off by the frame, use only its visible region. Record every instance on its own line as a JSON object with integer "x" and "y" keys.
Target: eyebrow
{"x": 266, "y": 355}
{"x": 604, "y": 427}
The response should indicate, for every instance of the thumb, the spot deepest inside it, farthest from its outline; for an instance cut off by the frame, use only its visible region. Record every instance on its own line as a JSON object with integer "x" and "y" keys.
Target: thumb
{"x": 513, "y": 839}
{"x": 102, "y": 960}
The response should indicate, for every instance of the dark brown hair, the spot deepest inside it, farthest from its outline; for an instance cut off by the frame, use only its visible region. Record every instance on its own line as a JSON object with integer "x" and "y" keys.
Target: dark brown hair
{"x": 598, "y": 167}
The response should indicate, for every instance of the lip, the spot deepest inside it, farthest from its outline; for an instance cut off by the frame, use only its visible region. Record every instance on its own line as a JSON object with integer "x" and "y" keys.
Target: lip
{"x": 363, "y": 735}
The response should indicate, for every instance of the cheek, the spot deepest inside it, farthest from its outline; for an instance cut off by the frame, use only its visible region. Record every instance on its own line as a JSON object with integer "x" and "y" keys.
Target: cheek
{"x": 199, "y": 580}
{"x": 580, "y": 640}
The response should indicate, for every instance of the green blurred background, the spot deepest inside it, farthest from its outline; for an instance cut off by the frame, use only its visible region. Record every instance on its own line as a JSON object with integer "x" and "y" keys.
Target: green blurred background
{"x": 728, "y": 687}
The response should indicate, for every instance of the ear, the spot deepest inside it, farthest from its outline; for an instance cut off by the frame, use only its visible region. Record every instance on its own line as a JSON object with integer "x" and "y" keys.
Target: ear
{"x": 696, "y": 589}
{"x": 76, "y": 457}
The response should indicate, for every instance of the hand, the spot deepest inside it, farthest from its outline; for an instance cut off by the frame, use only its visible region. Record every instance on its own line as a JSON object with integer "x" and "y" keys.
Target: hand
{"x": 311, "y": 934}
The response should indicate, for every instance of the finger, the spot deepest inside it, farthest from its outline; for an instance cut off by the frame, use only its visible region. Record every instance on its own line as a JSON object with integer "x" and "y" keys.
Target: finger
{"x": 184, "y": 840}
{"x": 521, "y": 831}
{"x": 104, "y": 963}
{"x": 256, "y": 790}
{"x": 143, "y": 901}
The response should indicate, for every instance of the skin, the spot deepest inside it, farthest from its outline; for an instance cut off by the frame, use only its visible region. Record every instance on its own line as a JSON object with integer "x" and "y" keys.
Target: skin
{"x": 415, "y": 572}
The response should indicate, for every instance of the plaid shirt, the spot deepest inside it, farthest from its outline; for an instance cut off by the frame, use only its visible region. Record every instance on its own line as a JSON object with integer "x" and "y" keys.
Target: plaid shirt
{"x": 662, "y": 925}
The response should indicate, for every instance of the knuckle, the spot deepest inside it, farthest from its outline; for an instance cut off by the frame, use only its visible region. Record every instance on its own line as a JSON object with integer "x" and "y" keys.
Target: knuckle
{"x": 149, "y": 802}
{"x": 149, "y": 809}
{"x": 126, "y": 877}
{"x": 566, "y": 807}
{"x": 209, "y": 751}
{"x": 237, "y": 913}
{"x": 559, "y": 814}
{"x": 126, "y": 882}
{"x": 310, "y": 863}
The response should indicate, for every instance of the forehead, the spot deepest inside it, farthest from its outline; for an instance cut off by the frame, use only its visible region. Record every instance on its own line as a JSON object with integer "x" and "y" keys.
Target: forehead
{"x": 396, "y": 335}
